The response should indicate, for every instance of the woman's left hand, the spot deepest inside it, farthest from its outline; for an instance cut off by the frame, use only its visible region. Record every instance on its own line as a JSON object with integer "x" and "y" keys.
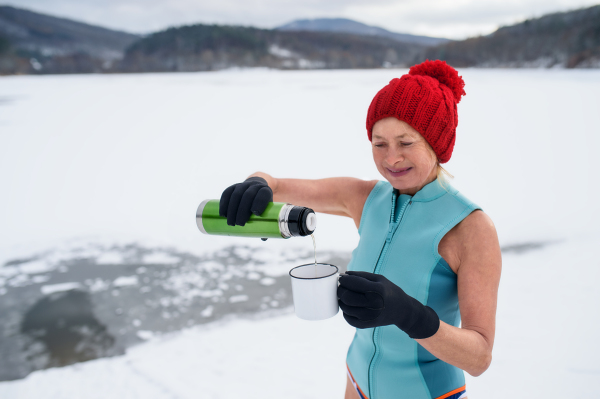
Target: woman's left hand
{"x": 371, "y": 300}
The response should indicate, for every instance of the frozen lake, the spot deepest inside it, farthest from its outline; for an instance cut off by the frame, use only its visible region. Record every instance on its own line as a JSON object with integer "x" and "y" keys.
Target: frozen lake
{"x": 111, "y": 160}
{"x": 130, "y": 156}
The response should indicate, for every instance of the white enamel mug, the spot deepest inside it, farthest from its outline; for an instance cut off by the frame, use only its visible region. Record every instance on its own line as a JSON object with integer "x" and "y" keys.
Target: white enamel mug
{"x": 314, "y": 288}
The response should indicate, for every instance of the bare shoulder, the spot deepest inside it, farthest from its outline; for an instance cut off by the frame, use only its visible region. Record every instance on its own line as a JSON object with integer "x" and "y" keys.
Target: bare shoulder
{"x": 475, "y": 225}
{"x": 344, "y": 196}
{"x": 363, "y": 187}
{"x": 473, "y": 241}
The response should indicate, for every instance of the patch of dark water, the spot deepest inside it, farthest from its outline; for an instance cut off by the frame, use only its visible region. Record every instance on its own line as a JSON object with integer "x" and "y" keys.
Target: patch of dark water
{"x": 525, "y": 247}
{"x": 82, "y": 308}
{"x": 117, "y": 305}
{"x": 61, "y": 329}
{"x": 17, "y": 262}
{"x": 6, "y": 100}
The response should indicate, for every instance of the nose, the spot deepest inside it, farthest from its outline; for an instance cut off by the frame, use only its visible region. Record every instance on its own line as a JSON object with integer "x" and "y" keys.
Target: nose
{"x": 394, "y": 155}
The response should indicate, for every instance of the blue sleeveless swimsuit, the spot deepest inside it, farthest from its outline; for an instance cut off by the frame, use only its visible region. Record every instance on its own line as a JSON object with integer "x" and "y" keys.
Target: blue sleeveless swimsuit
{"x": 399, "y": 237}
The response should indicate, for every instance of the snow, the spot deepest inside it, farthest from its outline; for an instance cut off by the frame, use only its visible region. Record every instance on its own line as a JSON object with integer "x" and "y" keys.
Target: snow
{"x": 124, "y": 281}
{"x": 546, "y": 337}
{"x": 109, "y": 258}
{"x": 34, "y": 267}
{"x": 52, "y": 288}
{"x": 212, "y": 362}
{"x": 267, "y": 281}
{"x": 280, "y": 51}
{"x": 128, "y": 158}
{"x": 160, "y": 257}
{"x": 9, "y": 271}
{"x": 97, "y": 285}
{"x": 145, "y": 334}
{"x": 238, "y": 298}
{"x": 208, "y": 311}
{"x": 545, "y": 346}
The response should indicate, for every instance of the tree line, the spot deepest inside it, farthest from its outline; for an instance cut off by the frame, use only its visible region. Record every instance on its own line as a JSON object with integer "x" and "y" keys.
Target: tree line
{"x": 566, "y": 40}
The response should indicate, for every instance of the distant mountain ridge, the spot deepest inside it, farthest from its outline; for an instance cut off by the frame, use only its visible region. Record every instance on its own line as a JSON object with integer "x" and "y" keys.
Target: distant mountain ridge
{"x": 344, "y": 25}
{"x": 60, "y": 44}
{"x": 36, "y": 43}
{"x": 213, "y": 47}
{"x": 560, "y": 40}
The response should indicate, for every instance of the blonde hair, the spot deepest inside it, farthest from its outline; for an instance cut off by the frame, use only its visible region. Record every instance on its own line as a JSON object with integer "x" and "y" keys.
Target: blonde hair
{"x": 443, "y": 175}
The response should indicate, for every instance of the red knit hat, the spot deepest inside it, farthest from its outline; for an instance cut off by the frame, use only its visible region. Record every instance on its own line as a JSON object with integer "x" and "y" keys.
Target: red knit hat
{"x": 426, "y": 99}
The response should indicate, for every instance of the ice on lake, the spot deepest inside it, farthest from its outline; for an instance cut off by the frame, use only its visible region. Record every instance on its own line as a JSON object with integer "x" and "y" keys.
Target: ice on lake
{"x": 113, "y": 159}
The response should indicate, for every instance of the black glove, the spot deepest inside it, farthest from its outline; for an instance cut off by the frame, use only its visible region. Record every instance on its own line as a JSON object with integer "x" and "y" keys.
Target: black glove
{"x": 240, "y": 200}
{"x": 371, "y": 300}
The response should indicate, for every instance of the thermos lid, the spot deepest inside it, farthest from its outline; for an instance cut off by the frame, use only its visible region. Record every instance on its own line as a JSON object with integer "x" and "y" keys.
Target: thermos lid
{"x": 311, "y": 221}
{"x": 300, "y": 221}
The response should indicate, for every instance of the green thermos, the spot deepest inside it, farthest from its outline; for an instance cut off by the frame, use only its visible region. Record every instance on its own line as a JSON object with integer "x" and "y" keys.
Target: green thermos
{"x": 279, "y": 220}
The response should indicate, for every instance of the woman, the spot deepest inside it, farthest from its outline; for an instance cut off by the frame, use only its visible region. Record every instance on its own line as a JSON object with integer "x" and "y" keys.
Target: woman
{"x": 422, "y": 284}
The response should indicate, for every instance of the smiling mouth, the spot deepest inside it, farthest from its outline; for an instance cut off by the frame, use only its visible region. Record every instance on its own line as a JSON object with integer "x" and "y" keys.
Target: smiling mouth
{"x": 399, "y": 172}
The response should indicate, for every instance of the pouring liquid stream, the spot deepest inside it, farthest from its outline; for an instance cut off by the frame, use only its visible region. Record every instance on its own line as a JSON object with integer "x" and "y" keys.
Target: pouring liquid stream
{"x": 315, "y": 249}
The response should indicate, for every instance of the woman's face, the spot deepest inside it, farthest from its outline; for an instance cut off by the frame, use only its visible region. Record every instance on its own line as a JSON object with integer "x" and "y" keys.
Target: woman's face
{"x": 402, "y": 155}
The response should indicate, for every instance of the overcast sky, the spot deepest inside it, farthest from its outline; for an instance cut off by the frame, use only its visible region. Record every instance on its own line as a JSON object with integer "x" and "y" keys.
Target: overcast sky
{"x": 455, "y": 19}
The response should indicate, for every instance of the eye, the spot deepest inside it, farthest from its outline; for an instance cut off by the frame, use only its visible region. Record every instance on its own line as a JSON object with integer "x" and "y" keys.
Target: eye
{"x": 378, "y": 145}
{"x": 406, "y": 144}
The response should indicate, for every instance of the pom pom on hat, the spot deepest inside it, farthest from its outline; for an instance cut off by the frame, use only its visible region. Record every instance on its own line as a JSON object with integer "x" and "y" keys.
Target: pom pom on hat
{"x": 444, "y": 74}
{"x": 426, "y": 99}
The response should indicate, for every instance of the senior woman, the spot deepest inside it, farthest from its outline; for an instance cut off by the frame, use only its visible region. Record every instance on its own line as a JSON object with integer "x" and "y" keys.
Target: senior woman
{"x": 421, "y": 287}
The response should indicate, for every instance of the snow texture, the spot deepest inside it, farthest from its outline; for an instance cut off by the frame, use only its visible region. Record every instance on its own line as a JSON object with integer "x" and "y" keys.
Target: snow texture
{"x": 52, "y": 288}
{"x": 121, "y": 158}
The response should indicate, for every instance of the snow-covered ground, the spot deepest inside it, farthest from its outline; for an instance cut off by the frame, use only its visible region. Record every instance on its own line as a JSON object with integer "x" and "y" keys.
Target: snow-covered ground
{"x": 125, "y": 158}
{"x": 132, "y": 156}
{"x": 546, "y": 347}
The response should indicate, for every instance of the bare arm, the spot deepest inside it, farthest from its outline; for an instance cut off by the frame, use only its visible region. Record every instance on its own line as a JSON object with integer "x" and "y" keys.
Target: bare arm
{"x": 343, "y": 196}
{"x": 473, "y": 251}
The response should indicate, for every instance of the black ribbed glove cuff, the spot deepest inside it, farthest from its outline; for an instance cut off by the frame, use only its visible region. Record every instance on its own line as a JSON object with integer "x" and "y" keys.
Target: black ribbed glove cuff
{"x": 258, "y": 179}
{"x": 425, "y": 322}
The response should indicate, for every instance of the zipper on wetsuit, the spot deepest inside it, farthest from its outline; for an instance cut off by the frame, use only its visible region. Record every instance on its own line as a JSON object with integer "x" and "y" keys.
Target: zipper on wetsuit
{"x": 391, "y": 230}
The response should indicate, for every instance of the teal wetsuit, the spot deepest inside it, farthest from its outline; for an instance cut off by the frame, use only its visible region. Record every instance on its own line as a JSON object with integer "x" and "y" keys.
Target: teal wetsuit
{"x": 399, "y": 237}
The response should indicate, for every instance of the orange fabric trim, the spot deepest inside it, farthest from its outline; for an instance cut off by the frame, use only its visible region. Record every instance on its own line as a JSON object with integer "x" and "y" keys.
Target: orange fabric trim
{"x": 356, "y": 383}
{"x": 457, "y": 390}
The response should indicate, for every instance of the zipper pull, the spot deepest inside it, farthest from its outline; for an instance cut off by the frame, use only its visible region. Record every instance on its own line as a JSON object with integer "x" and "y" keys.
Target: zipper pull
{"x": 390, "y": 232}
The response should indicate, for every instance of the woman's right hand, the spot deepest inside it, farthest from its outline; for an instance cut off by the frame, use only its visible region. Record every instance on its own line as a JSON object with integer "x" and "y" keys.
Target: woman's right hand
{"x": 241, "y": 200}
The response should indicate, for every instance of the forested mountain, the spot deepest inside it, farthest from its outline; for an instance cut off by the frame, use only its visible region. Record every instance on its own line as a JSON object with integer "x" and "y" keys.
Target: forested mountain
{"x": 566, "y": 39}
{"x": 213, "y": 47}
{"x": 344, "y": 25}
{"x": 56, "y": 44}
{"x": 37, "y": 43}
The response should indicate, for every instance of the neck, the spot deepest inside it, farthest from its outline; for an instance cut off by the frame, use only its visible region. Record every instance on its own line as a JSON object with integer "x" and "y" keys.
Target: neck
{"x": 413, "y": 190}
